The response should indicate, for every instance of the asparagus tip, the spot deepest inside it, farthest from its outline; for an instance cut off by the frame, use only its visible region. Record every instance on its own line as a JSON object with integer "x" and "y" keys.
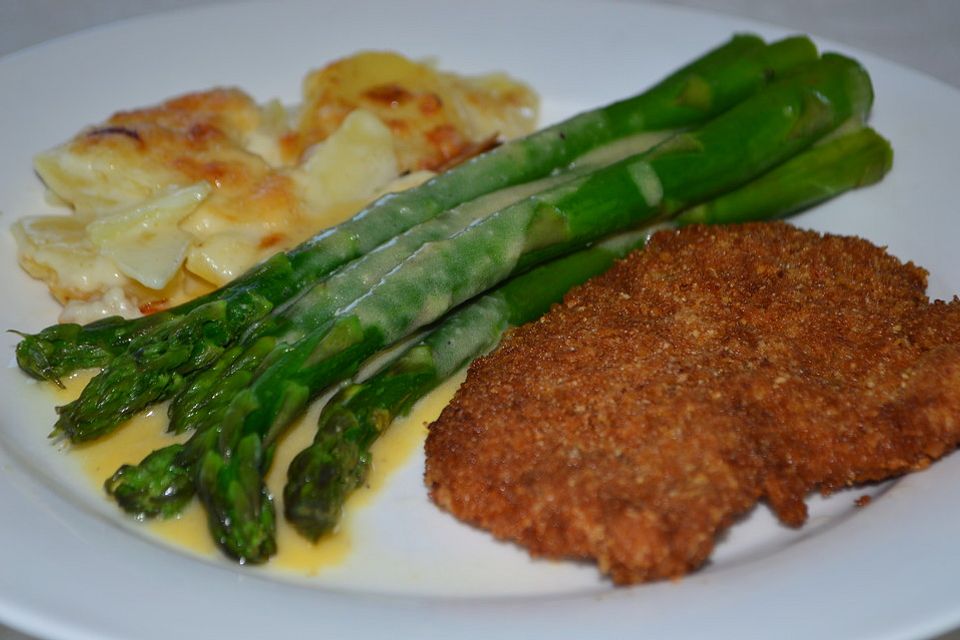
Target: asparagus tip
{"x": 240, "y": 510}
{"x": 159, "y": 486}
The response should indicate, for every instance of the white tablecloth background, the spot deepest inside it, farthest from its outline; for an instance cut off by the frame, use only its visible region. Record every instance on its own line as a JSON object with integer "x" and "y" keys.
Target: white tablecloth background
{"x": 923, "y": 34}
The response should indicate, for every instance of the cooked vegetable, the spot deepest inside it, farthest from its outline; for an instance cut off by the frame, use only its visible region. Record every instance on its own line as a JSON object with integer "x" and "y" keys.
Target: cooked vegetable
{"x": 365, "y": 124}
{"x": 852, "y": 160}
{"x": 164, "y": 481}
{"x": 156, "y": 486}
{"x": 751, "y": 138}
{"x": 243, "y": 362}
{"x": 706, "y": 87}
{"x": 323, "y": 475}
{"x": 204, "y": 393}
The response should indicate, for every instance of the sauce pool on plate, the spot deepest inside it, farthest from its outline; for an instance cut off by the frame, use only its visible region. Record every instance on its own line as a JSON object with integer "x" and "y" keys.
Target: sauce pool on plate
{"x": 147, "y": 432}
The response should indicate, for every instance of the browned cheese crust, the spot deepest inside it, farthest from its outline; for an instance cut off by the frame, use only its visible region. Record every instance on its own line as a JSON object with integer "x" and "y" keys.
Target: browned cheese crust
{"x": 661, "y": 401}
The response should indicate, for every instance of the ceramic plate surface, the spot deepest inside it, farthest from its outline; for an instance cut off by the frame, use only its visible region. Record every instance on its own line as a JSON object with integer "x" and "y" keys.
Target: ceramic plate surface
{"x": 73, "y": 567}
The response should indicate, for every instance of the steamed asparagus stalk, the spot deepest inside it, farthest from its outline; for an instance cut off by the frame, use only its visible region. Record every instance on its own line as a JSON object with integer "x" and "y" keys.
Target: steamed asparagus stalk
{"x": 161, "y": 483}
{"x": 155, "y": 363}
{"x": 725, "y": 153}
{"x": 119, "y": 390}
{"x": 212, "y": 388}
{"x": 164, "y": 481}
{"x": 853, "y": 160}
{"x": 323, "y": 475}
{"x": 328, "y": 471}
{"x": 693, "y": 94}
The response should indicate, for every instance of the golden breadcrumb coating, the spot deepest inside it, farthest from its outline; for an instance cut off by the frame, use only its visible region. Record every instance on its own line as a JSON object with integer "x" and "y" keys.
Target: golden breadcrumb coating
{"x": 661, "y": 401}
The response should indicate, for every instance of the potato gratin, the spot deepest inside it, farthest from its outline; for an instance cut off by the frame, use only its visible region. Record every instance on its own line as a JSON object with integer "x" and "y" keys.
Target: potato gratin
{"x": 174, "y": 200}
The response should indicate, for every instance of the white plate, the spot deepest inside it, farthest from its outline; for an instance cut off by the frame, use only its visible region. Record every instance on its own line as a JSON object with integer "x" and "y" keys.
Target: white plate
{"x": 72, "y": 567}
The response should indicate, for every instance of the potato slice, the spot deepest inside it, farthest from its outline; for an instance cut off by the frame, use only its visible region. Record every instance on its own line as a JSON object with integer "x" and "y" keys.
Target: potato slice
{"x": 144, "y": 240}
{"x": 56, "y": 249}
{"x": 352, "y": 164}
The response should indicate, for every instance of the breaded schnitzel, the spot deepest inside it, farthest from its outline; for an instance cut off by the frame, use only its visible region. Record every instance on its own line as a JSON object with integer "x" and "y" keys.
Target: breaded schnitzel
{"x": 719, "y": 367}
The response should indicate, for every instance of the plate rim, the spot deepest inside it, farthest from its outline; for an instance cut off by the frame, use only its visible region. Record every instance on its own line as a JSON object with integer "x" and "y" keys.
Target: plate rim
{"x": 37, "y": 624}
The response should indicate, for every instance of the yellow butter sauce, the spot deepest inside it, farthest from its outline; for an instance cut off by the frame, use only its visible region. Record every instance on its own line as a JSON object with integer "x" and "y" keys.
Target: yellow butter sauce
{"x": 620, "y": 149}
{"x": 147, "y": 432}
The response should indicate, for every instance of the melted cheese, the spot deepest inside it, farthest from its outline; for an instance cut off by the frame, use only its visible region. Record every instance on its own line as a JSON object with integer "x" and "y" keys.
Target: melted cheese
{"x": 434, "y": 116}
{"x": 272, "y": 184}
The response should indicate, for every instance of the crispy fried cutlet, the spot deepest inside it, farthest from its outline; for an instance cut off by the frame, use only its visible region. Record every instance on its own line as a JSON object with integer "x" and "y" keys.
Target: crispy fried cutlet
{"x": 719, "y": 367}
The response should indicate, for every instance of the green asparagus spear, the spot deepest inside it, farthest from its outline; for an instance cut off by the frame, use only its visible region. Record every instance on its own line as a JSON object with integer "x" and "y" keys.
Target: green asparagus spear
{"x": 157, "y": 486}
{"x": 156, "y": 363}
{"x": 857, "y": 159}
{"x": 215, "y": 386}
{"x": 323, "y": 475}
{"x": 130, "y": 382}
{"x": 693, "y": 94}
{"x": 744, "y": 142}
{"x": 160, "y": 484}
